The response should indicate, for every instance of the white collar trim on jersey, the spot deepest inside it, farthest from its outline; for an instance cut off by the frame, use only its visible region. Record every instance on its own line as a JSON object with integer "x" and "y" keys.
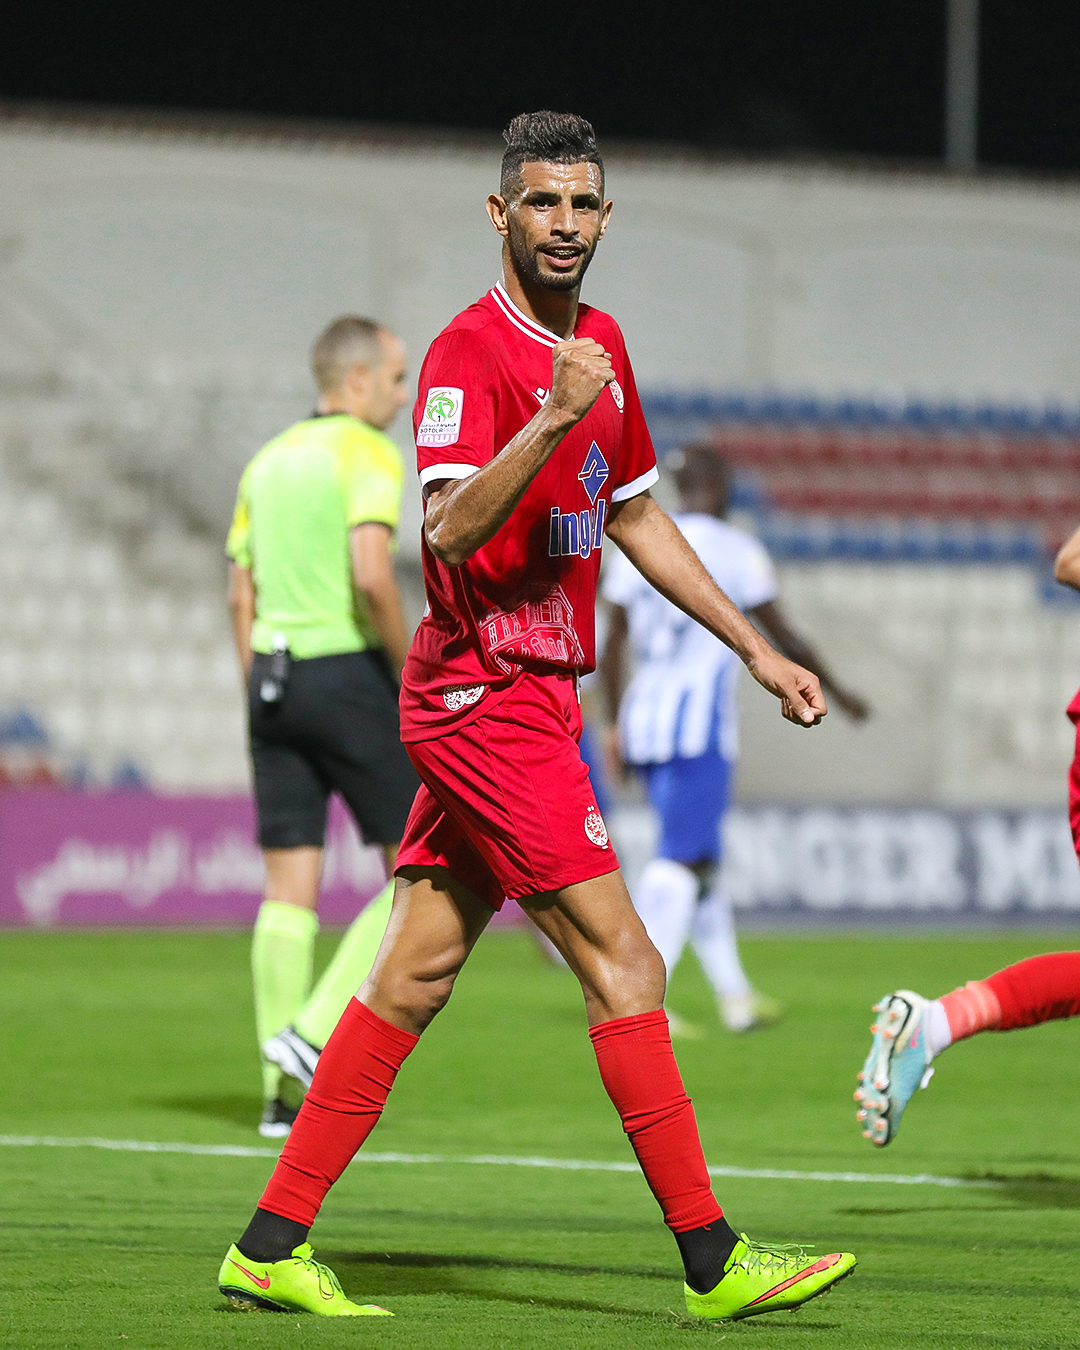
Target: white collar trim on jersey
{"x": 528, "y": 326}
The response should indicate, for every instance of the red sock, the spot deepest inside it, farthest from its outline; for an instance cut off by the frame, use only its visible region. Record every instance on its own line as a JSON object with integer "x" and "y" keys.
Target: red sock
{"x": 1038, "y": 990}
{"x": 356, "y": 1071}
{"x": 642, "y": 1079}
{"x": 971, "y": 1008}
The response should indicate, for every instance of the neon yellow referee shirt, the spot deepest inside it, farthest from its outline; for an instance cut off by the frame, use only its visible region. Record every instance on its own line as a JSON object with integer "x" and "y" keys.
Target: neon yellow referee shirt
{"x": 298, "y": 499}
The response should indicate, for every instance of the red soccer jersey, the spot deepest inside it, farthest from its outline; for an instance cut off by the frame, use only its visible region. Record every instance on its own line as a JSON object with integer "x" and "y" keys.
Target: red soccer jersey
{"x": 527, "y": 598}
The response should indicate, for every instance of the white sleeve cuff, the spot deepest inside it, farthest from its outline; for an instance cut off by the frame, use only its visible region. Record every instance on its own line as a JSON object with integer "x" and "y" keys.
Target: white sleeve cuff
{"x": 434, "y": 472}
{"x": 639, "y": 485}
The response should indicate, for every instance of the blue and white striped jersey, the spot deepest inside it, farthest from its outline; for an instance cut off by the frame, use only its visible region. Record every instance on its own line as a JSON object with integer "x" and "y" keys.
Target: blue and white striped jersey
{"x": 681, "y": 700}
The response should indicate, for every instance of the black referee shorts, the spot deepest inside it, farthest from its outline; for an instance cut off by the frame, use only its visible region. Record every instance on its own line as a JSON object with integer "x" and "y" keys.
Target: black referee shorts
{"x": 334, "y": 730}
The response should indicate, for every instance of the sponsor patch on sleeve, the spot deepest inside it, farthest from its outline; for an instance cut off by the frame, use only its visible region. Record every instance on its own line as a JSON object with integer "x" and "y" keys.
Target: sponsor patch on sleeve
{"x": 441, "y": 423}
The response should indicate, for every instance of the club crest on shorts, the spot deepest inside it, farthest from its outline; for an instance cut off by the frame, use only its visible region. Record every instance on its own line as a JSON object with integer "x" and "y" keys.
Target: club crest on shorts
{"x": 463, "y": 697}
{"x": 595, "y": 829}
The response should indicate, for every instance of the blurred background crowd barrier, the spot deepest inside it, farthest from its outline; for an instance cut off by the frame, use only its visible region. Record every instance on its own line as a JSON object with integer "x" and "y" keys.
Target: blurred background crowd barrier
{"x": 889, "y": 360}
{"x": 144, "y": 859}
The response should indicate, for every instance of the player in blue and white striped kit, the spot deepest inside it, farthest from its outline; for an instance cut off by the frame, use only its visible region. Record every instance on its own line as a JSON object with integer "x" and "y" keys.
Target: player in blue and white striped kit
{"x": 678, "y": 726}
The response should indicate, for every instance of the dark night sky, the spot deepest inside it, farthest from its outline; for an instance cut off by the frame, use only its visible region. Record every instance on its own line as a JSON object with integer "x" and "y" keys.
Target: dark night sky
{"x": 835, "y": 76}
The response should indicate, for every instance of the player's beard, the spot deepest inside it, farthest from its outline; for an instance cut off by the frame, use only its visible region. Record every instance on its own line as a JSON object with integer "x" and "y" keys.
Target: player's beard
{"x": 527, "y": 265}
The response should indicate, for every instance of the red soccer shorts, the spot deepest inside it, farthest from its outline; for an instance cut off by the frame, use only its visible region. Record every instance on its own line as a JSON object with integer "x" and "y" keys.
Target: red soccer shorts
{"x": 505, "y": 803}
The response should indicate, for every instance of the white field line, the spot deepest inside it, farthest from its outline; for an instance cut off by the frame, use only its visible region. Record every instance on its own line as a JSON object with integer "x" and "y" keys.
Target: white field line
{"x": 486, "y": 1160}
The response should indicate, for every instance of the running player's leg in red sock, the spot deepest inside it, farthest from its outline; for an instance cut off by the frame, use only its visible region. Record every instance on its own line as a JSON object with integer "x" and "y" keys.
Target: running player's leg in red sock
{"x": 1039, "y": 989}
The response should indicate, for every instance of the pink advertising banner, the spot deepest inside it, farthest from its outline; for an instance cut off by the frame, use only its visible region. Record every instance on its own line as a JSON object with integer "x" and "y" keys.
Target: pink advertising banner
{"x": 135, "y": 858}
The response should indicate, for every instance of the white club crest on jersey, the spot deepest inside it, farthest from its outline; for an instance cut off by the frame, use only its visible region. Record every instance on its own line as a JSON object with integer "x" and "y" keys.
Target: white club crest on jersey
{"x": 595, "y": 829}
{"x": 617, "y": 394}
{"x": 464, "y": 696}
{"x": 441, "y": 422}
{"x": 541, "y": 395}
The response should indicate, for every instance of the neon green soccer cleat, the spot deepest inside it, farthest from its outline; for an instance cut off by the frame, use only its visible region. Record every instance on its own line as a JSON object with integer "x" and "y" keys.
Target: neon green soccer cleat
{"x": 298, "y": 1284}
{"x": 759, "y": 1278}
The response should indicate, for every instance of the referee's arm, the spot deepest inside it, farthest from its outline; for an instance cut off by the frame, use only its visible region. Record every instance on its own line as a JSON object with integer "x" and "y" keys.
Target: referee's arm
{"x": 376, "y": 584}
{"x": 242, "y": 609}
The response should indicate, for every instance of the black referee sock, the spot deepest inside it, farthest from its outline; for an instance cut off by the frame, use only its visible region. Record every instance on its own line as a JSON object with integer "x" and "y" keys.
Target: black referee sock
{"x": 704, "y": 1251}
{"x": 269, "y": 1237}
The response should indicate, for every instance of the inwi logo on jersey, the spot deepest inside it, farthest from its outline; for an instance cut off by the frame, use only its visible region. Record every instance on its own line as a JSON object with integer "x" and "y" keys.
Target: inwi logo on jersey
{"x": 579, "y": 532}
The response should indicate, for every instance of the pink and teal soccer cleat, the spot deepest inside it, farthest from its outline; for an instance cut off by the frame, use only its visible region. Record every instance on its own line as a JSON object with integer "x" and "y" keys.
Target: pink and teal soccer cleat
{"x": 759, "y": 1278}
{"x": 898, "y": 1064}
{"x": 297, "y": 1284}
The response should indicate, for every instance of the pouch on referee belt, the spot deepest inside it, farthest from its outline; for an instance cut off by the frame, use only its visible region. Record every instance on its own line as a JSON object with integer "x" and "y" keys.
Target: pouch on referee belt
{"x": 272, "y": 685}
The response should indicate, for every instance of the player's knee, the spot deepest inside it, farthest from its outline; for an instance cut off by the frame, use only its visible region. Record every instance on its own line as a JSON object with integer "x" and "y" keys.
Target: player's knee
{"x": 628, "y": 977}
{"x": 417, "y": 996}
{"x": 648, "y": 972}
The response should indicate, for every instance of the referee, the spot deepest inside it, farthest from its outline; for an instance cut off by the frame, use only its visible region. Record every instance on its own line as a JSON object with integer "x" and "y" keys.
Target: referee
{"x": 321, "y": 638}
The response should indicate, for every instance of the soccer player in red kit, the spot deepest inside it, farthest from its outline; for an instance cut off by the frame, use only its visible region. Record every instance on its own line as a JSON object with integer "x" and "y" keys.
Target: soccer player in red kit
{"x": 531, "y": 447}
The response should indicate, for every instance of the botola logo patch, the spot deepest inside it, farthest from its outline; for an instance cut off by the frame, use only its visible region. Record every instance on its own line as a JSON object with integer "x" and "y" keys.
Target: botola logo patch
{"x": 595, "y": 829}
{"x": 441, "y": 422}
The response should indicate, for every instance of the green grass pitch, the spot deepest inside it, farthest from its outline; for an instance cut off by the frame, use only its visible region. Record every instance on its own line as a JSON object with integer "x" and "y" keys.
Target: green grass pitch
{"x": 149, "y": 1036}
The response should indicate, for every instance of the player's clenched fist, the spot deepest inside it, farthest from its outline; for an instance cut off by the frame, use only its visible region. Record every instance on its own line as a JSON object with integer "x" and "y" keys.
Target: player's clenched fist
{"x": 579, "y": 370}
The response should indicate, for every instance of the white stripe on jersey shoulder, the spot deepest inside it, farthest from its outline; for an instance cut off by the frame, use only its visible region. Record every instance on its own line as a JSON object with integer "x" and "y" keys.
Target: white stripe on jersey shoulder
{"x": 520, "y": 320}
{"x": 639, "y": 485}
{"x": 436, "y": 471}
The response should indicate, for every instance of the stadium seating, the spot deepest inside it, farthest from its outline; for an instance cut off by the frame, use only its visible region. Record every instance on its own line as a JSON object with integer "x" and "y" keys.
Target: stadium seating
{"x": 913, "y": 482}
{"x": 111, "y": 602}
{"x": 116, "y": 488}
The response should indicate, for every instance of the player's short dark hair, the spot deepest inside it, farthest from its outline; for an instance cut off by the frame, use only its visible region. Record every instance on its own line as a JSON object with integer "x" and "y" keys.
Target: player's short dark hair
{"x": 546, "y": 138}
{"x": 349, "y": 341}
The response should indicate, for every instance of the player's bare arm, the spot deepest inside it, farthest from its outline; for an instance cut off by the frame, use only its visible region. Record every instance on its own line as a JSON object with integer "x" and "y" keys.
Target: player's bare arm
{"x": 653, "y": 543}
{"x": 1067, "y": 562}
{"x": 465, "y": 513}
{"x": 772, "y": 620}
{"x": 242, "y": 610}
{"x": 375, "y": 582}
